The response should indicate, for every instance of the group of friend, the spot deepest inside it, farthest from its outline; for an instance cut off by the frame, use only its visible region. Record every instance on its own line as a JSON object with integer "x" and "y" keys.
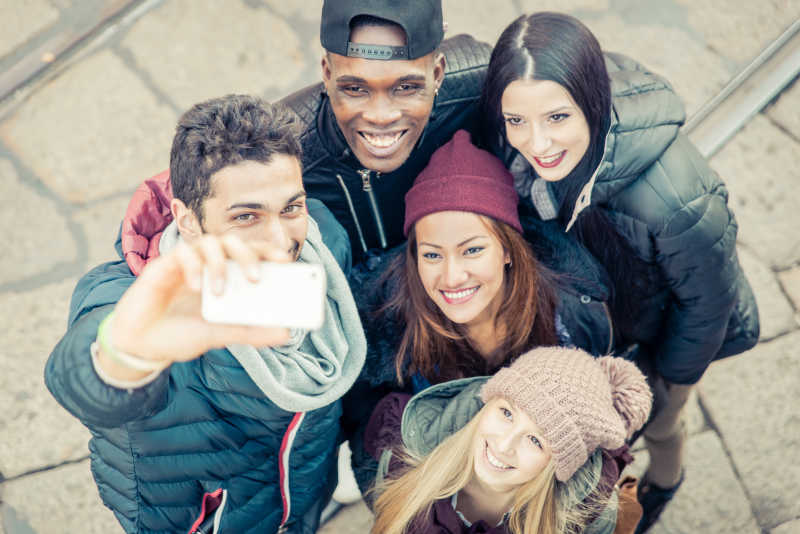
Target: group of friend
{"x": 528, "y": 266}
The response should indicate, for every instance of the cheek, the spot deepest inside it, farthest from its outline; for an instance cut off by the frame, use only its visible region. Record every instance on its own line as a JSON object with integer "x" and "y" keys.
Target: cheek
{"x": 427, "y": 276}
{"x": 514, "y": 136}
{"x": 297, "y": 228}
{"x": 535, "y": 462}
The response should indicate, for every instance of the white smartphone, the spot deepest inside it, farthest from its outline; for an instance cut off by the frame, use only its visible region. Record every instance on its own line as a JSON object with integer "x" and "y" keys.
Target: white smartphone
{"x": 290, "y": 295}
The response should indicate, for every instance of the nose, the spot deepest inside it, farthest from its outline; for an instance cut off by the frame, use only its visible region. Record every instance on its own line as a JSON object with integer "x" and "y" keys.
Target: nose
{"x": 454, "y": 274}
{"x": 381, "y": 110}
{"x": 505, "y": 443}
{"x": 539, "y": 141}
{"x": 276, "y": 235}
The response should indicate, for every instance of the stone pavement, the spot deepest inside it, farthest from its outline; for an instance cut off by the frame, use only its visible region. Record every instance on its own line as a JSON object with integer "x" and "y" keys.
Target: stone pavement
{"x": 75, "y": 142}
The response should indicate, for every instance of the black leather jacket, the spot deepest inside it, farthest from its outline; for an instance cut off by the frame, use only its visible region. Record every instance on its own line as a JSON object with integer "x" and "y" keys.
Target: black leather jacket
{"x": 370, "y": 205}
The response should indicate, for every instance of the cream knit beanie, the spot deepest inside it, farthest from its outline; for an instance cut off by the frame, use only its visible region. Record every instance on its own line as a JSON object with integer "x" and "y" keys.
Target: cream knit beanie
{"x": 579, "y": 402}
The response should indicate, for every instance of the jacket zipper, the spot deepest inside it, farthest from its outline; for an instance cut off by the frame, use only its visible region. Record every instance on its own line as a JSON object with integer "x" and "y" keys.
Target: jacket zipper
{"x": 283, "y": 468}
{"x": 353, "y": 213}
{"x": 610, "y": 328}
{"x": 373, "y": 204}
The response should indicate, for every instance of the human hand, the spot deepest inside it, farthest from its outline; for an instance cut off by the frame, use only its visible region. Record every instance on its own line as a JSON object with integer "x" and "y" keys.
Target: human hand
{"x": 158, "y": 318}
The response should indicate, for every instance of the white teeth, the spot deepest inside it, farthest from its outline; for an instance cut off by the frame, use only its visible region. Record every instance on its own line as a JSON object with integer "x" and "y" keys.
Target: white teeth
{"x": 381, "y": 141}
{"x": 494, "y": 461}
{"x": 550, "y": 159}
{"x": 454, "y": 295}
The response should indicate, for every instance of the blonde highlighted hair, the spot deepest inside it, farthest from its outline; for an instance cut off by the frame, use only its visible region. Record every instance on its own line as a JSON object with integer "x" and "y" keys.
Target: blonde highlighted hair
{"x": 541, "y": 506}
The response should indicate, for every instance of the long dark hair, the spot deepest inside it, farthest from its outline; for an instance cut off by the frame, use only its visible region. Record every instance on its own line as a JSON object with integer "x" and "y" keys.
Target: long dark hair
{"x": 559, "y": 48}
{"x": 546, "y": 46}
{"x": 437, "y": 348}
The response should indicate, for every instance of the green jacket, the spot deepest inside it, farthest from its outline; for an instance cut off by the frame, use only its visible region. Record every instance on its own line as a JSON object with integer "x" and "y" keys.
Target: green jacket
{"x": 435, "y": 413}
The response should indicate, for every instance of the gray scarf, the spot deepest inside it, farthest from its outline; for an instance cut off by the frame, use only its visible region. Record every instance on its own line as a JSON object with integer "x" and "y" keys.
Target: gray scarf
{"x": 314, "y": 368}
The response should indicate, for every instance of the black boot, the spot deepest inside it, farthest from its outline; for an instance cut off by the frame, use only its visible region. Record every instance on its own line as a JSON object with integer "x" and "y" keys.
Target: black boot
{"x": 653, "y": 500}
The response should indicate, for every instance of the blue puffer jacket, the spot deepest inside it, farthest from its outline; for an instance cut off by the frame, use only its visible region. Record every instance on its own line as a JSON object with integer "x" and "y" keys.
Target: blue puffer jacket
{"x": 202, "y": 436}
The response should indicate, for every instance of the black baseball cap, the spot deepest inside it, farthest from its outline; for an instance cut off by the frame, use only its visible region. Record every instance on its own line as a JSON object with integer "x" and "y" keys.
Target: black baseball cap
{"x": 420, "y": 19}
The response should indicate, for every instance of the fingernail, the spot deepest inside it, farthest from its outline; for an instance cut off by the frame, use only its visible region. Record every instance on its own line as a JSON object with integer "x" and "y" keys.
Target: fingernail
{"x": 254, "y": 273}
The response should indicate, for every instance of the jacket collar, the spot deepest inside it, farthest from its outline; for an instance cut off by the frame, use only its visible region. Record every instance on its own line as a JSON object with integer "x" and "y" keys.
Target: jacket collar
{"x": 645, "y": 117}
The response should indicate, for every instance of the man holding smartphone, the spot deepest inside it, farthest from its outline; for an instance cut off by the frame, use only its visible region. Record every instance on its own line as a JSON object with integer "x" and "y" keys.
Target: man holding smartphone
{"x": 205, "y": 427}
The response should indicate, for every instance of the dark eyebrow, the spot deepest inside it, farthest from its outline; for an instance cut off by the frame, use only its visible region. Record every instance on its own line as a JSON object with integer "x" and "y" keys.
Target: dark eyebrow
{"x": 567, "y": 107}
{"x": 411, "y": 78}
{"x": 470, "y": 239}
{"x": 247, "y": 205}
{"x": 459, "y": 245}
{"x": 259, "y": 206}
{"x": 560, "y": 108}
{"x": 300, "y": 194}
{"x": 349, "y": 78}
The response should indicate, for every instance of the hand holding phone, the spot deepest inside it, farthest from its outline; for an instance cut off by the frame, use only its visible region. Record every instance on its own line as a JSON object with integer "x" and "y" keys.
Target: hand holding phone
{"x": 290, "y": 295}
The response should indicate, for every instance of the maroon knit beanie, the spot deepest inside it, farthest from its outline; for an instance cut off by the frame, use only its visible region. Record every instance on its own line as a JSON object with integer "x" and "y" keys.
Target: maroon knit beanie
{"x": 462, "y": 177}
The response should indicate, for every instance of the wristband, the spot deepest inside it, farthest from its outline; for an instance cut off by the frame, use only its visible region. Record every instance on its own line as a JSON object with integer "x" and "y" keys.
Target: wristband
{"x": 128, "y": 360}
{"x": 130, "y": 385}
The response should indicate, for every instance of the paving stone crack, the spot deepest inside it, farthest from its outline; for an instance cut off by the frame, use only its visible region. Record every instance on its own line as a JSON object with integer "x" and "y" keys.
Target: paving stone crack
{"x": 715, "y": 428}
{"x": 38, "y": 470}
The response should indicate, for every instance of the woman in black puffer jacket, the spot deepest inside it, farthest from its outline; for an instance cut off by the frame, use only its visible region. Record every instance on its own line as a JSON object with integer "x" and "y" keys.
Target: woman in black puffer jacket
{"x": 593, "y": 143}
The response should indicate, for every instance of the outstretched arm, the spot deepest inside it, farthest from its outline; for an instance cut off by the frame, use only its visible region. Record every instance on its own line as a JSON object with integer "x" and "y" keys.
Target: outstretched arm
{"x": 157, "y": 320}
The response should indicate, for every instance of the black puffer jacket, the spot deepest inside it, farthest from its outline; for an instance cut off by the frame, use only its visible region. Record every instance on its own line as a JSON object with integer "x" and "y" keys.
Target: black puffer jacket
{"x": 671, "y": 208}
{"x": 333, "y": 175}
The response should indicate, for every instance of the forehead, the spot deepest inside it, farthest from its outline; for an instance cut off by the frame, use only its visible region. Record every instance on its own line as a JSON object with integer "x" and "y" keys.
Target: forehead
{"x": 392, "y": 35}
{"x": 449, "y": 228}
{"x": 377, "y": 70}
{"x": 535, "y": 96}
{"x": 271, "y": 183}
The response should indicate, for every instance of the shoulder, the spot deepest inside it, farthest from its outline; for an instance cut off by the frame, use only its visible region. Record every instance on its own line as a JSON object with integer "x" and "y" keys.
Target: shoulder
{"x": 306, "y": 105}
{"x": 103, "y": 285}
{"x": 333, "y": 233}
{"x": 465, "y": 70}
{"x": 675, "y": 192}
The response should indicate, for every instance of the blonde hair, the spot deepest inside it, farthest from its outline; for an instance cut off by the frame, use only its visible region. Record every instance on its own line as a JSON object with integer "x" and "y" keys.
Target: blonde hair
{"x": 541, "y": 506}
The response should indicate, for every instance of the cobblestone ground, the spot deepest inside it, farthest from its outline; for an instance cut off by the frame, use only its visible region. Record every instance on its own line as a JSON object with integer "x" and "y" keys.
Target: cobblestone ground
{"x": 76, "y": 142}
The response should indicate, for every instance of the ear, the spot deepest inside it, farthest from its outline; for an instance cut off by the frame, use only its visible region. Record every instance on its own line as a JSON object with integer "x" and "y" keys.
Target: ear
{"x": 326, "y": 68}
{"x": 188, "y": 224}
{"x": 506, "y": 257}
{"x": 439, "y": 65}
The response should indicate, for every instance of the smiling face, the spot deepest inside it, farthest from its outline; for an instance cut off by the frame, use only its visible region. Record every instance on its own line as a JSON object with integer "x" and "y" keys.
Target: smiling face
{"x": 509, "y": 447}
{"x": 545, "y": 124}
{"x": 461, "y": 265}
{"x": 259, "y": 202}
{"x": 381, "y": 106}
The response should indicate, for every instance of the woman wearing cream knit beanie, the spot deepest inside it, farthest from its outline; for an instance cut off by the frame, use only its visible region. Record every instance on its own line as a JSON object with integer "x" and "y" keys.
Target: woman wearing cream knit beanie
{"x": 526, "y": 461}
{"x": 579, "y": 402}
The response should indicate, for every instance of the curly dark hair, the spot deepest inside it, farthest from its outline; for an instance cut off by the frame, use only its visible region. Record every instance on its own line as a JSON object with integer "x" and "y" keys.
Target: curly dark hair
{"x": 225, "y": 131}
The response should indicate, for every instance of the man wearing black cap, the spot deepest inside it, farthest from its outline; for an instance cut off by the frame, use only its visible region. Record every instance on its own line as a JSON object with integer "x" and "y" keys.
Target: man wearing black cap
{"x": 392, "y": 93}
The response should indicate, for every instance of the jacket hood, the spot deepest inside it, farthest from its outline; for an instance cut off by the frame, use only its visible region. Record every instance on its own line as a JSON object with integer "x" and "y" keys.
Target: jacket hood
{"x": 439, "y": 411}
{"x": 645, "y": 118}
{"x": 147, "y": 216}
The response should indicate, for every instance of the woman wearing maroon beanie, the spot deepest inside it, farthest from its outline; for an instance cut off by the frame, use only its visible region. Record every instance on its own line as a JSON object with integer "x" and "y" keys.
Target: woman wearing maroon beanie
{"x": 471, "y": 292}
